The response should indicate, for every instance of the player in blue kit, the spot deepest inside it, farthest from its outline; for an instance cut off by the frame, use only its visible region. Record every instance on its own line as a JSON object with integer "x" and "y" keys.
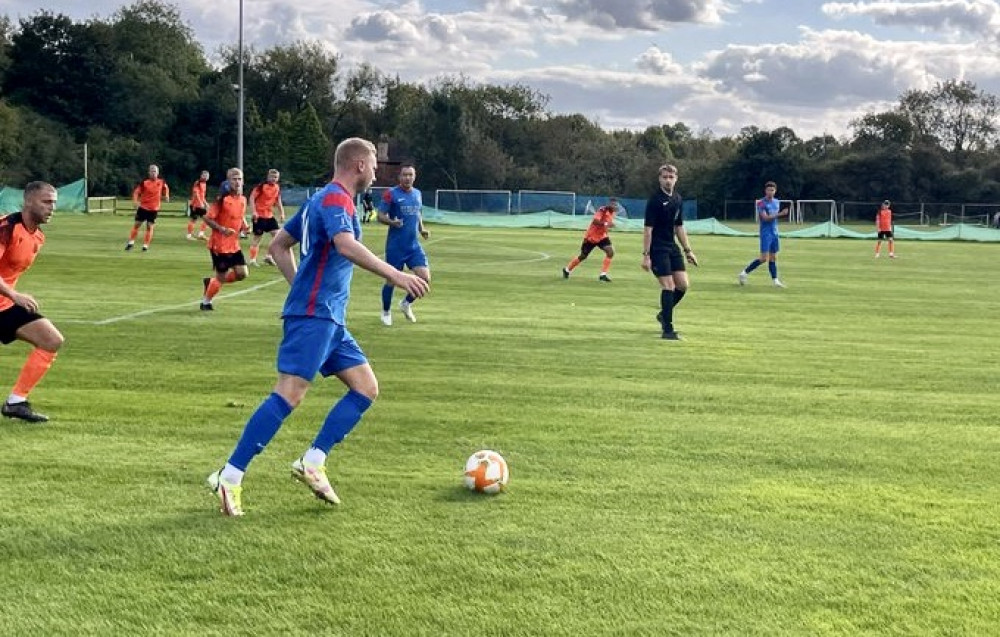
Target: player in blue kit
{"x": 316, "y": 339}
{"x": 400, "y": 209}
{"x": 768, "y": 210}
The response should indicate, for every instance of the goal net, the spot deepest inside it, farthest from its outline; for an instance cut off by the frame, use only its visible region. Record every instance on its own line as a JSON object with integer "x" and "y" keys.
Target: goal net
{"x": 562, "y": 201}
{"x": 494, "y": 201}
{"x": 813, "y": 211}
{"x": 863, "y": 213}
{"x": 977, "y": 214}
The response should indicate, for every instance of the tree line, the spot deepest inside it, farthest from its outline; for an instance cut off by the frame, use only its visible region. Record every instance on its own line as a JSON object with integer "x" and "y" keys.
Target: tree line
{"x": 138, "y": 88}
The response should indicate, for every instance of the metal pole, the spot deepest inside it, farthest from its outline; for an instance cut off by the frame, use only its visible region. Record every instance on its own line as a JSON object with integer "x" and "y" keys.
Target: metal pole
{"x": 239, "y": 129}
{"x": 86, "y": 181}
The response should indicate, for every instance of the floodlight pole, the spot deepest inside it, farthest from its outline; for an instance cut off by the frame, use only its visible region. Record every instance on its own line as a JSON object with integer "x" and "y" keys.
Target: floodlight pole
{"x": 239, "y": 99}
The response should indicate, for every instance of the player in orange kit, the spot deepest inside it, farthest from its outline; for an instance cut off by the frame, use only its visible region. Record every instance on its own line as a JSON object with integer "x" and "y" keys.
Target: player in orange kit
{"x": 20, "y": 240}
{"x": 198, "y": 206}
{"x": 597, "y": 237}
{"x": 226, "y": 218}
{"x": 883, "y": 225}
{"x": 263, "y": 199}
{"x": 146, "y": 197}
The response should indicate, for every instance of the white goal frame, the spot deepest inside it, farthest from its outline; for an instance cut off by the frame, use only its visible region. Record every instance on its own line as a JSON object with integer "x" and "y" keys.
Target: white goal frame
{"x": 551, "y": 193}
{"x": 797, "y": 215}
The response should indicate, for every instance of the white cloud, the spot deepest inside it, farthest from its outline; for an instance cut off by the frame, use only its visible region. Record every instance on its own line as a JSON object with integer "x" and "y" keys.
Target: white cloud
{"x": 658, "y": 62}
{"x": 646, "y": 15}
{"x": 976, "y": 17}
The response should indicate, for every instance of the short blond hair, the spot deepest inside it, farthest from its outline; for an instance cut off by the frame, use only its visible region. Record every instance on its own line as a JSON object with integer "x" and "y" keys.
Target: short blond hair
{"x": 351, "y": 150}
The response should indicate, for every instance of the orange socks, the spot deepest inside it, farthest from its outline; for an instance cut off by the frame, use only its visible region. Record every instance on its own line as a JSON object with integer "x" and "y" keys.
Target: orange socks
{"x": 132, "y": 235}
{"x": 149, "y": 235}
{"x": 253, "y": 252}
{"x": 214, "y": 285}
{"x": 572, "y": 264}
{"x": 606, "y": 265}
{"x": 213, "y": 288}
{"x": 38, "y": 363}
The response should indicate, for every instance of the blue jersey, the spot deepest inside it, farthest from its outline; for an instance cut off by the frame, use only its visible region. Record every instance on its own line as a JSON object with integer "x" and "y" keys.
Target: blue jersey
{"x": 322, "y": 285}
{"x": 771, "y": 208}
{"x": 406, "y": 205}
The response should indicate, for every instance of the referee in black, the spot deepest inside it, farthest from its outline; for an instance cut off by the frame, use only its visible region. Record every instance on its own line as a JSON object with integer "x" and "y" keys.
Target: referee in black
{"x": 660, "y": 253}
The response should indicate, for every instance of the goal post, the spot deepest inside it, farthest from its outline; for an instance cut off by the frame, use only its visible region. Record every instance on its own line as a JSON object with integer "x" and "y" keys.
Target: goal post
{"x": 563, "y": 201}
{"x": 492, "y": 201}
{"x": 904, "y": 213}
{"x": 102, "y": 204}
{"x": 813, "y": 211}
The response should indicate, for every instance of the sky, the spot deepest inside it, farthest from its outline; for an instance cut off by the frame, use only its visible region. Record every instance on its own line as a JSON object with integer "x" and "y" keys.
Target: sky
{"x": 714, "y": 65}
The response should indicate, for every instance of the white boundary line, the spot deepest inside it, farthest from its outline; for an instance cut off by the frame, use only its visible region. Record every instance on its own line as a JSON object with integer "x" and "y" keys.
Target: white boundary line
{"x": 542, "y": 256}
{"x": 167, "y": 308}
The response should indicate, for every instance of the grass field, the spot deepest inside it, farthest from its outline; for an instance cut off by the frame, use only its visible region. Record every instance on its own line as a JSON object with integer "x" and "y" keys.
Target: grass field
{"x": 819, "y": 460}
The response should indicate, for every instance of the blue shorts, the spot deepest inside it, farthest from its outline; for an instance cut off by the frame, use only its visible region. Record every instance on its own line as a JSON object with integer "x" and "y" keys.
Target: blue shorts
{"x": 312, "y": 345}
{"x": 412, "y": 257}
{"x": 769, "y": 243}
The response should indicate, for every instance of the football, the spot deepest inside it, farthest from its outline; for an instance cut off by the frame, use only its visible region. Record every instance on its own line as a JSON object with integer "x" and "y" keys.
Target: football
{"x": 486, "y": 472}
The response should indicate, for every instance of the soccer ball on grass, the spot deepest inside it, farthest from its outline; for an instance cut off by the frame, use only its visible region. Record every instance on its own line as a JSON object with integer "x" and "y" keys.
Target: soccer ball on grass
{"x": 486, "y": 472}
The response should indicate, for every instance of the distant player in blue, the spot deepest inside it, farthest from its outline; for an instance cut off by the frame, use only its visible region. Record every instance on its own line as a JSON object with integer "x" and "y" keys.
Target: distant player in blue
{"x": 316, "y": 339}
{"x": 768, "y": 210}
{"x": 400, "y": 209}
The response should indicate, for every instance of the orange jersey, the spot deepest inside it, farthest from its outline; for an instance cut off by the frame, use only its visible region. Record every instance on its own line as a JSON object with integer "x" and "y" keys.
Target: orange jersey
{"x": 198, "y": 195}
{"x": 18, "y": 249}
{"x": 264, "y": 196}
{"x": 598, "y": 228}
{"x": 883, "y": 220}
{"x": 228, "y": 213}
{"x": 148, "y": 193}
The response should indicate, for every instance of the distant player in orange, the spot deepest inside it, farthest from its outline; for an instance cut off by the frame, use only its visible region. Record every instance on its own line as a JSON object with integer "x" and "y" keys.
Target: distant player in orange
{"x": 883, "y": 224}
{"x": 226, "y": 217}
{"x": 20, "y": 240}
{"x": 198, "y": 206}
{"x": 146, "y": 197}
{"x": 263, "y": 199}
{"x": 597, "y": 237}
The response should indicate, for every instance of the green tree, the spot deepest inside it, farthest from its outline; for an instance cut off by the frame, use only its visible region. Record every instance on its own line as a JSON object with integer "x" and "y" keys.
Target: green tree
{"x": 309, "y": 160}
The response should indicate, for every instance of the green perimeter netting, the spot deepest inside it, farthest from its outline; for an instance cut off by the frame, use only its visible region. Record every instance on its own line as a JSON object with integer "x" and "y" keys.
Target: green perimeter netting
{"x": 72, "y": 198}
{"x": 553, "y": 219}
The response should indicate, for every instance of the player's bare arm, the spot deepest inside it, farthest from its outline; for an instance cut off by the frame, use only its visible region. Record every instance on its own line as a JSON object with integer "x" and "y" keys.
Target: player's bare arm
{"x": 682, "y": 237}
{"x": 218, "y": 227}
{"x": 26, "y": 301}
{"x": 359, "y": 254}
{"x": 647, "y": 240}
{"x": 281, "y": 253}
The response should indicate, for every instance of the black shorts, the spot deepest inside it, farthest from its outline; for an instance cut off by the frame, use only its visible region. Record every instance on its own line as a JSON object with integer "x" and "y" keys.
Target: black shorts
{"x": 149, "y": 216}
{"x": 262, "y": 225}
{"x": 227, "y": 261}
{"x": 885, "y": 234}
{"x": 666, "y": 262}
{"x": 12, "y": 319}
{"x": 196, "y": 213}
{"x": 588, "y": 246}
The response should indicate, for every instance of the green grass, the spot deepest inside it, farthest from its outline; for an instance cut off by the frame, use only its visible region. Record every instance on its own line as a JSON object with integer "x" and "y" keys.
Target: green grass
{"x": 819, "y": 460}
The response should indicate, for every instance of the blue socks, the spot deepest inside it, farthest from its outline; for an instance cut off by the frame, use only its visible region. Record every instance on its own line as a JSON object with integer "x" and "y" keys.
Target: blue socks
{"x": 386, "y": 298}
{"x": 772, "y": 267}
{"x": 341, "y": 420}
{"x": 263, "y": 424}
{"x": 753, "y": 266}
